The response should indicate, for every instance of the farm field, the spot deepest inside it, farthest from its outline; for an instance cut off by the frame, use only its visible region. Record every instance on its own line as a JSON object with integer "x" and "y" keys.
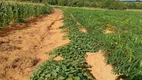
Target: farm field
{"x": 38, "y": 42}
{"x": 119, "y": 37}
{"x": 117, "y": 33}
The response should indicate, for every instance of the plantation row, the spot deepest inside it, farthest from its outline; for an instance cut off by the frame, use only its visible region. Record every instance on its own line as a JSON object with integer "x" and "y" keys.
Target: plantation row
{"x": 122, "y": 47}
{"x": 15, "y": 11}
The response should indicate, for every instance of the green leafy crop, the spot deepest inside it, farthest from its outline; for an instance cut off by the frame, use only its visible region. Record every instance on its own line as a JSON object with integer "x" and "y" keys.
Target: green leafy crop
{"x": 61, "y": 70}
{"x": 122, "y": 48}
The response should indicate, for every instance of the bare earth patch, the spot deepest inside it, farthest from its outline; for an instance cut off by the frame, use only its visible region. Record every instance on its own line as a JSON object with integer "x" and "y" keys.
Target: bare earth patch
{"x": 100, "y": 70}
{"x": 83, "y": 30}
{"x": 58, "y": 58}
{"x": 22, "y": 50}
{"x": 109, "y": 29}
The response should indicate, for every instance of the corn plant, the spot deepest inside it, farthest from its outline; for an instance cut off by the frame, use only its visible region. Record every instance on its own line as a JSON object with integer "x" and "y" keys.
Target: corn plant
{"x": 15, "y": 11}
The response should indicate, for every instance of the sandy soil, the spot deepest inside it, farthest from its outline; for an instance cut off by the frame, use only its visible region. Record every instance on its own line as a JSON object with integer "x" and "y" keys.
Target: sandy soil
{"x": 22, "y": 50}
{"x": 99, "y": 69}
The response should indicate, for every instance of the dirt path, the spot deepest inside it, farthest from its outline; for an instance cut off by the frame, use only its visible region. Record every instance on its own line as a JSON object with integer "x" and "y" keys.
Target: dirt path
{"x": 100, "y": 69}
{"x": 24, "y": 49}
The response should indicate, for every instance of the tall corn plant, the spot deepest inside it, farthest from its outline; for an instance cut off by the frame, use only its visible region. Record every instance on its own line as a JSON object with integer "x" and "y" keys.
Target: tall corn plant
{"x": 15, "y": 11}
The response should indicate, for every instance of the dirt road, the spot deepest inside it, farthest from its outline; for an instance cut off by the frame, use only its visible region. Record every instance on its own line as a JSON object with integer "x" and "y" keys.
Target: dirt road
{"x": 22, "y": 50}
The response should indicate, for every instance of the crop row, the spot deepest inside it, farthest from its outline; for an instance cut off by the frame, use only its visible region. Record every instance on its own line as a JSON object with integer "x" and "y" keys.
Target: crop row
{"x": 15, "y": 11}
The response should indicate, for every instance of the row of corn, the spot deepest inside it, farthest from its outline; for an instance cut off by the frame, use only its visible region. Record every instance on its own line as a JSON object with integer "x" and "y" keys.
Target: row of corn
{"x": 14, "y": 11}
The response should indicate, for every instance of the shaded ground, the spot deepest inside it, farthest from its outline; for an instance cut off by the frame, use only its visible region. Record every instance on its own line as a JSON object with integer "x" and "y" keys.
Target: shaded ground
{"x": 22, "y": 50}
{"x": 21, "y": 25}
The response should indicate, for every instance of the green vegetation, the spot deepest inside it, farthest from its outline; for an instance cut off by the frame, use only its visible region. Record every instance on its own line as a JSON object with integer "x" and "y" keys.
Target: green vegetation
{"x": 108, "y": 4}
{"x": 61, "y": 70}
{"x": 16, "y": 11}
{"x": 37, "y": 1}
{"x": 122, "y": 47}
